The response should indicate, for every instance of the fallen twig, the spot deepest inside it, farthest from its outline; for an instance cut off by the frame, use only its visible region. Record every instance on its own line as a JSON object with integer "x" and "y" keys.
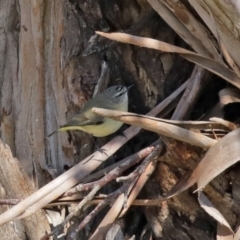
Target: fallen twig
{"x": 114, "y": 211}
{"x": 139, "y": 170}
{"x": 96, "y": 186}
{"x": 113, "y": 174}
{"x": 197, "y": 81}
{"x": 149, "y": 166}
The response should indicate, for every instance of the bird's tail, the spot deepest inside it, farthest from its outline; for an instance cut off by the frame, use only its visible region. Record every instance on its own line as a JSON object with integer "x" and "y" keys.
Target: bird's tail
{"x": 65, "y": 128}
{"x": 52, "y": 133}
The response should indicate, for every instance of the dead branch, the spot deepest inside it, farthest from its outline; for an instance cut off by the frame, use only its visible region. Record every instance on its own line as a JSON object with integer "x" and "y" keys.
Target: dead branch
{"x": 192, "y": 91}
{"x": 148, "y": 167}
{"x": 113, "y": 174}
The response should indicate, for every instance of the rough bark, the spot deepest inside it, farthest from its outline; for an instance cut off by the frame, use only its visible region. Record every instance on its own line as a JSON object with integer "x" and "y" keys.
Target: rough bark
{"x": 50, "y": 62}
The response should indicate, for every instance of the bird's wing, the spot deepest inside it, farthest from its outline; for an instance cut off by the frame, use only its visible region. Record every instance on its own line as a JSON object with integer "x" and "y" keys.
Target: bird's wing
{"x": 73, "y": 123}
{"x": 88, "y": 118}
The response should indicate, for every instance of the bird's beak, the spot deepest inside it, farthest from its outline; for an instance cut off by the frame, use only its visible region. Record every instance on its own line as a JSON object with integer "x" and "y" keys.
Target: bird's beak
{"x": 128, "y": 88}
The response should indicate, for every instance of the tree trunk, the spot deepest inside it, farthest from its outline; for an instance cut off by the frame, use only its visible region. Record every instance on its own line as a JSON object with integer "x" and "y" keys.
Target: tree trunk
{"x": 50, "y": 62}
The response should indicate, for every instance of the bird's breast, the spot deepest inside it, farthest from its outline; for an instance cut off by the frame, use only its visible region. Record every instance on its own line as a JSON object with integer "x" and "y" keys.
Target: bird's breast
{"x": 106, "y": 128}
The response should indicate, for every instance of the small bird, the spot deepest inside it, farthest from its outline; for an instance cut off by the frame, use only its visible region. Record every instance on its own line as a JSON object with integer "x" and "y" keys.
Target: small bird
{"x": 114, "y": 98}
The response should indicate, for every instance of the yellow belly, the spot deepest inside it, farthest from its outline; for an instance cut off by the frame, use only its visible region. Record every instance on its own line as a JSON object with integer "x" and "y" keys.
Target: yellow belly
{"x": 108, "y": 127}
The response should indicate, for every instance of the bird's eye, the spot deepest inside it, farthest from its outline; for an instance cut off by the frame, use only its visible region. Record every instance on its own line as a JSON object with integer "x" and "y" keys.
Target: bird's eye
{"x": 119, "y": 88}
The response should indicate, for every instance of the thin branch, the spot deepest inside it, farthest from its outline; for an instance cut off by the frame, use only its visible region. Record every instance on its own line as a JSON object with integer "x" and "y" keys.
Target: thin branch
{"x": 59, "y": 228}
{"x": 147, "y": 169}
{"x": 98, "y": 184}
{"x": 113, "y": 213}
{"x": 103, "y": 203}
{"x": 196, "y": 84}
{"x": 95, "y": 201}
{"x": 139, "y": 170}
{"x": 113, "y": 174}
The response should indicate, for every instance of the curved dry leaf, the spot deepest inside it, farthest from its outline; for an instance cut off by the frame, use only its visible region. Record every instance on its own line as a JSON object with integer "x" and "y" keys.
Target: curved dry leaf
{"x": 229, "y": 59}
{"x": 200, "y": 125}
{"x": 215, "y": 124}
{"x": 214, "y": 67}
{"x": 223, "y": 233}
{"x": 225, "y": 123}
{"x": 229, "y": 95}
{"x": 224, "y": 26}
{"x": 179, "y": 27}
{"x": 216, "y": 114}
{"x": 207, "y": 63}
{"x": 212, "y": 211}
{"x": 215, "y": 31}
{"x": 237, "y": 234}
{"x": 161, "y": 128}
{"x": 193, "y": 29}
{"x": 218, "y": 158}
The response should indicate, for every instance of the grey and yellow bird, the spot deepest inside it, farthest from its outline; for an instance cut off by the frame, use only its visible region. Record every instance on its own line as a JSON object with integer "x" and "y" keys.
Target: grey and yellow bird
{"x": 114, "y": 98}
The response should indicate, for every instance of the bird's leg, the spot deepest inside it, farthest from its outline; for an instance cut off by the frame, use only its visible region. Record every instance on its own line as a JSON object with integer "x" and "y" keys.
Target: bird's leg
{"x": 121, "y": 133}
{"x": 101, "y": 150}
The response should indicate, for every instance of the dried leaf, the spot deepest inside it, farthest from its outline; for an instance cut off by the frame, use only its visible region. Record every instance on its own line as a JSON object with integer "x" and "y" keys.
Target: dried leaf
{"x": 207, "y": 63}
{"x": 171, "y": 16}
{"x": 224, "y": 26}
{"x": 162, "y": 128}
{"x": 237, "y": 234}
{"x": 225, "y": 123}
{"x": 229, "y": 95}
{"x": 218, "y": 158}
{"x": 223, "y": 233}
{"x": 212, "y": 211}
{"x": 184, "y": 23}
